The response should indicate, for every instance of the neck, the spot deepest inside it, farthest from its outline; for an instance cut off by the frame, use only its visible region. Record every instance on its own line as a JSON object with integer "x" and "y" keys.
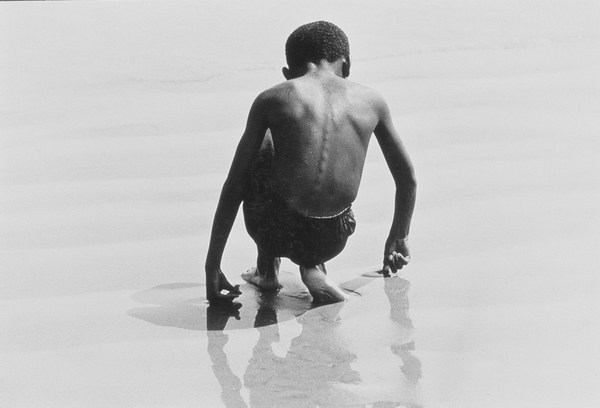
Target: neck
{"x": 322, "y": 67}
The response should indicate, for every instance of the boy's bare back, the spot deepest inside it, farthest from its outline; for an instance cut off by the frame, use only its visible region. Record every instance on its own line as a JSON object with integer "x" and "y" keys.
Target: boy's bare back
{"x": 321, "y": 125}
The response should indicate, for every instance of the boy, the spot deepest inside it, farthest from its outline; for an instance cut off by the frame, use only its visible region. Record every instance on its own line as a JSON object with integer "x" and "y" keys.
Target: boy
{"x": 298, "y": 166}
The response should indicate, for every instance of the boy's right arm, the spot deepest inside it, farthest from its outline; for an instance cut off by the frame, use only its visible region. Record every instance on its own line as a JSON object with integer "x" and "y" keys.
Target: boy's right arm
{"x": 232, "y": 194}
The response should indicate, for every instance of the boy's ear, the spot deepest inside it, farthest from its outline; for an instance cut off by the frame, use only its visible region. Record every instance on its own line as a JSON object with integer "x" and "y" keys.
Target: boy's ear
{"x": 286, "y": 73}
{"x": 346, "y": 68}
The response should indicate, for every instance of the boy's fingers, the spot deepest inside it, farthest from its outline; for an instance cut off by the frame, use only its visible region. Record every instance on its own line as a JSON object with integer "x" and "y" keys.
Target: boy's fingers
{"x": 228, "y": 296}
{"x": 392, "y": 263}
{"x": 396, "y": 261}
{"x": 385, "y": 270}
{"x": 401, "y": 258}
{"x": 231, "y": 291}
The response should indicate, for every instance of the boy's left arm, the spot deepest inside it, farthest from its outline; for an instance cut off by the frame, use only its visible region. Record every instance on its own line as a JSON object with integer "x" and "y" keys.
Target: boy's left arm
{"x": 396, "y": 252}
{"x": 231, "y": 197}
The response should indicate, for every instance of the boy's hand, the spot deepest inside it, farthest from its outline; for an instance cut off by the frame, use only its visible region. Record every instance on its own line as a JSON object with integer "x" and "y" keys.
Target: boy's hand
{"x": 216, "y": 283}
{"x": 396, "y": 255}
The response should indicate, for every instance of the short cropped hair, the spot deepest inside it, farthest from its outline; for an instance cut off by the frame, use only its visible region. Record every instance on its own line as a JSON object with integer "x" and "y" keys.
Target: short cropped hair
{"x": 314, "y": 42}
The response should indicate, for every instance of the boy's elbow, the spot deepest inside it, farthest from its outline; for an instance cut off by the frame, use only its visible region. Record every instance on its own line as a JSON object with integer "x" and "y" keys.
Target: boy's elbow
{"x": 412, "y": 178}
{"x": 407, "y": 181}
{"x": 410, "y": 182}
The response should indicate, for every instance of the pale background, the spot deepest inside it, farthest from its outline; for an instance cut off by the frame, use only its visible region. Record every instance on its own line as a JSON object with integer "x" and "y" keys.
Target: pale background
{"x": 118, "y": 122}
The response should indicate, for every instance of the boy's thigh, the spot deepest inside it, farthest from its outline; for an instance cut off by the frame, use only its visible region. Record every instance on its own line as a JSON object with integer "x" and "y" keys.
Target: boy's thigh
{"x": 319, "y": 240}
{"x": 269, "y": 228}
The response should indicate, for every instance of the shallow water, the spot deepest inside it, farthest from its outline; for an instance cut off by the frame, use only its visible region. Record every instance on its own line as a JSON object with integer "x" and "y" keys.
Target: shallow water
{"x": 305, "y": 355}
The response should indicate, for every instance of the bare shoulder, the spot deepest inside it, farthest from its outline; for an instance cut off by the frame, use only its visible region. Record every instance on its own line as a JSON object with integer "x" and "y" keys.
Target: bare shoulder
{"x": 369, "y": 96}
{"x": 268, "y": 100}
{"x": 274, "y": 98}
{"x": 277, "y": 91}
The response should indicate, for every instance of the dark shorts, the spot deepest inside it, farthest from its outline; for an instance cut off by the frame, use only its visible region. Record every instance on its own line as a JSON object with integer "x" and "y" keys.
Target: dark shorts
{"x": 281, "y": 231}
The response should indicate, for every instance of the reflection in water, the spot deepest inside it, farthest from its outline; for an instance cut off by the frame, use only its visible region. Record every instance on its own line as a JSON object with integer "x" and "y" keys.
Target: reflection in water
{"x": 216, "y": 320}
{"x": 396, "y": 290}
{"x": 317, "y": 370}
{"x": 230, "y": 383}
{"x": 315, "y": 361}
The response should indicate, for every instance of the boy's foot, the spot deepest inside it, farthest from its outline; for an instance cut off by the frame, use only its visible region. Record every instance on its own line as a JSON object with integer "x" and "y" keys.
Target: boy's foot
{"x": 321, "y": 287}
{"x": 254, "y": 277}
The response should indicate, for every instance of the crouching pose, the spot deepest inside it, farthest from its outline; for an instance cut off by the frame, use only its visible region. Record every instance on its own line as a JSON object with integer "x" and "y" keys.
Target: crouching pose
{"x": 298, "y": 166}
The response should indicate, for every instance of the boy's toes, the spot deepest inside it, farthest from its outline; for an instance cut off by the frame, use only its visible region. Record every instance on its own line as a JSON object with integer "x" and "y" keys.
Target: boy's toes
{"x": 249, "y": 275}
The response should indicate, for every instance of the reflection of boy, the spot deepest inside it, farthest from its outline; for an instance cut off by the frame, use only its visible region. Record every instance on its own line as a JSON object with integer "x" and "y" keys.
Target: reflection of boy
{"x": 298, "y": 166}
{"x": 396, "y": 290}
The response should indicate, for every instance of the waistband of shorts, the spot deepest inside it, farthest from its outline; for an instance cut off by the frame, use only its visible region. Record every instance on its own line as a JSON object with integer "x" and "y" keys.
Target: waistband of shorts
{"x": 345, "y": 210}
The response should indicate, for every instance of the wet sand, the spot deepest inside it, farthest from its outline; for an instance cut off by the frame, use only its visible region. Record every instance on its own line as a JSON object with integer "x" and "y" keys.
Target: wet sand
{"x": 118, "y": 123}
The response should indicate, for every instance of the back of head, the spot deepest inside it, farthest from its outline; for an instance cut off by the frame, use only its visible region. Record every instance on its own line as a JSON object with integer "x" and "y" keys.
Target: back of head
{"x": 314, "y": 42}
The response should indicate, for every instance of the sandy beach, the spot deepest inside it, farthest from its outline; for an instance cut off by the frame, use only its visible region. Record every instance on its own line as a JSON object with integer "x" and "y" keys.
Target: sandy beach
{"x": 118, "y": 123}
